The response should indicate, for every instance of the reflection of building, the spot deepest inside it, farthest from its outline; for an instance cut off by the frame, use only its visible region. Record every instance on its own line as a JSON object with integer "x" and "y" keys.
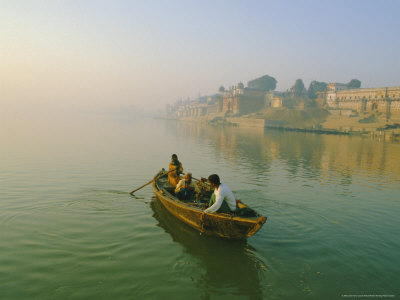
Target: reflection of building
{"x": 385, "y": 100}
{"x": 356, "y": 155}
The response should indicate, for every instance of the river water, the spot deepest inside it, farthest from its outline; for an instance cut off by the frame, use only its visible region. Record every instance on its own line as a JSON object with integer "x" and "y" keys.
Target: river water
{"x": 70, "y": 230}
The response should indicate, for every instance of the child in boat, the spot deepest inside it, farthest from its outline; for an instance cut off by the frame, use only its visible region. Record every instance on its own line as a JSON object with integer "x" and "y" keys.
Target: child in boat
{"x": 175, "y": 168}
{"x": 187, "y": 189}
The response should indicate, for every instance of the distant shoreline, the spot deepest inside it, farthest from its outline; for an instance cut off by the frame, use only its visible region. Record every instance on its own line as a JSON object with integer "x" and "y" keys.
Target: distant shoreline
{"x": 335, "y": 123}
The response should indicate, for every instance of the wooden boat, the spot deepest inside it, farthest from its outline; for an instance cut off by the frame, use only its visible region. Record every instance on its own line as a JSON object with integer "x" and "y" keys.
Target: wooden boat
{"x": 226, "y": 225}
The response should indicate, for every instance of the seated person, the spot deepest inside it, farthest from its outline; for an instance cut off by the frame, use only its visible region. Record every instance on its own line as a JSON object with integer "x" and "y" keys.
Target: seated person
{"x": 175, "y": 169}
{"x": 222, "y": 200}
{"x": 186, "y": 188}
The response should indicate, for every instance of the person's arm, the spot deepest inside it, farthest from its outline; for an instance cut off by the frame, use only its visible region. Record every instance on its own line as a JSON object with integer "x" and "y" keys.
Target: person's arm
{"x": 218, "y": 202}
{"x": 179, "y": 186}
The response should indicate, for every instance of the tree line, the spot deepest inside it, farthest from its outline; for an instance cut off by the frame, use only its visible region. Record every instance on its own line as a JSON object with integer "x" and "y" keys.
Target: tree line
{"x": 268, "y": 83}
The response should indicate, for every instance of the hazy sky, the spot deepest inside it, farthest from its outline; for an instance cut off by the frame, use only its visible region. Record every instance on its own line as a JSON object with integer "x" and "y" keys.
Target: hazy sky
{"x": 149, "y": 53}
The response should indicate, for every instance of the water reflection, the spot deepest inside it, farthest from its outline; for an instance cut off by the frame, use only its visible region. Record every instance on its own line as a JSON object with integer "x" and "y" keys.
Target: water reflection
{"x": 231, "y": 267}
{"x": 326, "y": 157}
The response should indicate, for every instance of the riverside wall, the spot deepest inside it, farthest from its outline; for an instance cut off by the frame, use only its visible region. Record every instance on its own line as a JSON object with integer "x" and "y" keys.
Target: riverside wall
{"x": 246, "y": 122}
{"x": 334, "y": 124}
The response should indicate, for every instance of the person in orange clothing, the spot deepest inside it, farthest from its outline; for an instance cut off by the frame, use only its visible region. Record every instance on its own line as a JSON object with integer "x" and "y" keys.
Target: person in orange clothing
{"x": 175, "y": 169}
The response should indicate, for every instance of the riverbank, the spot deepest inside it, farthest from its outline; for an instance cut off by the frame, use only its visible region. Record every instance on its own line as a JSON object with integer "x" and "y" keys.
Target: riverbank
{"x": 315, "y": 120}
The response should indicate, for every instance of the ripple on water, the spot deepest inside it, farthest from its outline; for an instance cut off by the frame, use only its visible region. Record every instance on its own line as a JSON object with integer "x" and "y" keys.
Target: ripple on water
{"x": 72, "y": 231}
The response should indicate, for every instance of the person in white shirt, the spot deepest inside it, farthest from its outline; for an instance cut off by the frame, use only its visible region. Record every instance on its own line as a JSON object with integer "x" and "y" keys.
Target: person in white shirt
{"x": 223, "y": 196}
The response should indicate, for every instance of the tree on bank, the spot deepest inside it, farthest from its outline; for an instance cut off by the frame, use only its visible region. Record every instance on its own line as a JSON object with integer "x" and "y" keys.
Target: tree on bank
{"x": 265, "y": 83}
{"x": 316, "y": 87}
{"x": 354, "y": 84}
{"x": 298, "y": 89}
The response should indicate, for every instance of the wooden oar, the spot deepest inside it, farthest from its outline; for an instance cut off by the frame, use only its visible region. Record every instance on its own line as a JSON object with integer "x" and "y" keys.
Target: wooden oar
{"x": 148, "y": 182}
{"x": 141, "y": 187}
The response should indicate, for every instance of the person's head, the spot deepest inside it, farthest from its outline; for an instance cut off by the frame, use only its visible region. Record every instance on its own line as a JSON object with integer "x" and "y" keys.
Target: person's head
{"x": 174, "y": 157}
{"x": 214, "y": 180}
{"x": 188, "y": 177}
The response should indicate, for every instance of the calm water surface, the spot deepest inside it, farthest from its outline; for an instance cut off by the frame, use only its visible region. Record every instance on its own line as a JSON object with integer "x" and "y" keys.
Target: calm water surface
{"x": 70, "y": 230}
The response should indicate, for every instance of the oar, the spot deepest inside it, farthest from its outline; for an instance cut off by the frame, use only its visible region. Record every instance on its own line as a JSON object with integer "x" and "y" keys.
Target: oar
{"x": 148, "y": 182}
{"x": 141, "y": 187}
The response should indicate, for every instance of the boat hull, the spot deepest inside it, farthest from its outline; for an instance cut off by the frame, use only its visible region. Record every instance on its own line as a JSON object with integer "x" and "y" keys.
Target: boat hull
{"x": 218, "y": 224}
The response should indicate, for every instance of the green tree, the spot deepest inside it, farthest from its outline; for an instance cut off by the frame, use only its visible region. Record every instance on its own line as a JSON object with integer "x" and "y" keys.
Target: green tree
{"x": 265, "y": 83}
{"x": 298, "y": 89}
{"x": 316, "y": 87}
{"x": 354, "y": 84}
{"x": 221, "y": 89}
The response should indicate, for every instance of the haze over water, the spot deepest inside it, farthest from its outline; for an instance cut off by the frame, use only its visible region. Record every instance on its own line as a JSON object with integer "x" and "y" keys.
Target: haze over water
{"x": 69, "y": 228}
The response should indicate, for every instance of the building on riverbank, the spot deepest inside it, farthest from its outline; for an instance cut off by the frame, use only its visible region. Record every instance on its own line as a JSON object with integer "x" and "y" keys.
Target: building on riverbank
{"x": 240, "y": 100}
{"x": 346, "y": 109}
{"x": 384, "y": 100}
{"x": 274, "y": 99}
{"x": 196, "y": 108}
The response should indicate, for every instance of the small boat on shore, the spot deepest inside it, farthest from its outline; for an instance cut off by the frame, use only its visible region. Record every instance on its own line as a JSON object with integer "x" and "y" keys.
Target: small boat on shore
{"x": 236, "y": 225}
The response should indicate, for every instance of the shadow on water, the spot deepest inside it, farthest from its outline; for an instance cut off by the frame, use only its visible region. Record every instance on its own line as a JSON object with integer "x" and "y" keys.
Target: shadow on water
{"x": 231, "y": 267}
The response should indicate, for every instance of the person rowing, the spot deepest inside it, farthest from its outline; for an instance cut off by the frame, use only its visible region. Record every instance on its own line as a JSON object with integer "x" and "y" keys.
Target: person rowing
{"x": 222, "y": 200}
